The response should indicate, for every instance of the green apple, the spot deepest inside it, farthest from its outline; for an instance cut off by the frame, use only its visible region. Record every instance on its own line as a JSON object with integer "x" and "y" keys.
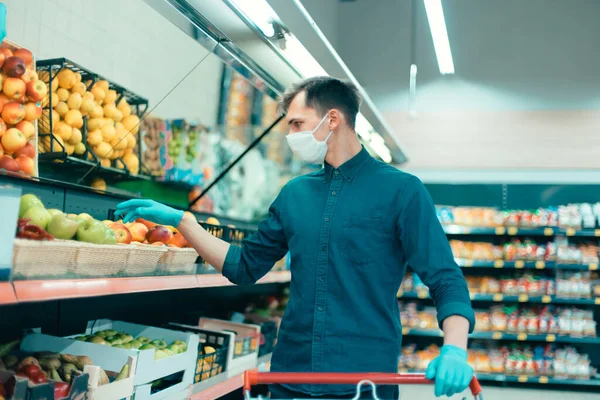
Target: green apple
{"x": 28, "y": 201}
{"x": 91, "y": 231}
{"x": 62, "y": 227}
{"x": 85, "y": 216}
{"x": 160, "y": 354}
{"x": 135, "y": 344}
{"x": 147, "y": 346}
{"x": 97, "y": 340}
{"x": 143, "y": 339}
{"x": 38, "y": 216}
{"x": 54, "y": 211}
{"x": 109, "y": 235}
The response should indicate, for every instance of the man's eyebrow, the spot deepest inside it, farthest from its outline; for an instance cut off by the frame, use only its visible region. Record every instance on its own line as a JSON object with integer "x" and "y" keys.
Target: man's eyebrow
{"x": 291, "y": 121}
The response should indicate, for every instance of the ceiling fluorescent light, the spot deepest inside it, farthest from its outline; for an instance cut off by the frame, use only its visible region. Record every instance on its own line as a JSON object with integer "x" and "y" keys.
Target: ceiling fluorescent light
{"x": 437, "y": 26}
{"x": 300, "y": 58}
{"x": 260, "y": 13}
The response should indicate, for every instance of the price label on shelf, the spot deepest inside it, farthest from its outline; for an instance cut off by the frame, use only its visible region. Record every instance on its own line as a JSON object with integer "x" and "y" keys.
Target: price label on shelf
{"x": 540, "y": 265}
{"x": 597, "y": 233}
{"x": 597, "y": 300}
{"x": 497, "y": 335}
{"x": 546, "y": 299}
{"x": 422, "y": 294}
{"x": 513, "y": 231}
{"x": 500, "y": 230}
{"x": 543, "y": 379}
{"x": 523, "y": 378}
{"x": 520, "y": 264}
{"x": 498, "y": 264}
{"x": 468, "y": 263}
{"x": 498, "y": 297}
{"x": 400, "y": 293}
{"x": 523, "y": 298}
{"x": 522, "y": 336}
{"x": 551, "y": 338}
{"x": 570, "y": 232}
{"x": 548, "y": 232}
{"x": 593, "y": 267}
{"x": 405, "y": 330}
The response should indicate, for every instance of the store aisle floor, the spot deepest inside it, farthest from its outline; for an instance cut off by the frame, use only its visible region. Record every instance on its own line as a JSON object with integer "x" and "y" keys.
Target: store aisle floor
{"x": 495, "y": 393}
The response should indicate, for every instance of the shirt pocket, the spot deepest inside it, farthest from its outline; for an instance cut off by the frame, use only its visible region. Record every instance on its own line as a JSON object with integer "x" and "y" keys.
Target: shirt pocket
{"x": 364, "y": 240}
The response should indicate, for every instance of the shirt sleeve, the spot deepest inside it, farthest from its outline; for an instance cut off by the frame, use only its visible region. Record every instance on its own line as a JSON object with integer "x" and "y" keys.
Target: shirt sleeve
{"x": 429, "y": 255}
{"x": 246, "y": 264}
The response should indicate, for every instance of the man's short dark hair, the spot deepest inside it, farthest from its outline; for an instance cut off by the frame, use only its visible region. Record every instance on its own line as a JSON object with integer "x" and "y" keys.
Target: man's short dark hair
{"x": 324, "y": 93}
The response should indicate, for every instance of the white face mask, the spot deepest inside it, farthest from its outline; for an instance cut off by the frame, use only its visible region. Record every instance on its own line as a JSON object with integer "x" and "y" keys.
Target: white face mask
{"x": 307, "y": 147}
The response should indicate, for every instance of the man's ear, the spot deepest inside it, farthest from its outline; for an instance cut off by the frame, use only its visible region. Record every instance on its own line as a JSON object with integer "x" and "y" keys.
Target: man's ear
{"x": 336, "y": 118}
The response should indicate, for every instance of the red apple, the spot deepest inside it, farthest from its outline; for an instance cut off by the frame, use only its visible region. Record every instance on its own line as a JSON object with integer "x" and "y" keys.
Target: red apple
{"x": 9, "y": 164}
{"x": 26, "y": 127}
{"x": 7, "y": 52}
{"x": 24, "y": 55}
{"x": 26, "y": 164}
{"x": 138, "y": 231}
{"x": 36, "y": 90}
{"x": 121, "y": 232}
{"x": 13, "y": 113}
{"x": 3, "y": 101}
{"x": 159, "y": 234}
{"x": 28, "y": 151}
{"x": 14, "y": 88}
{"x": 148, "y": 224}
{"x": 33, "y": 111}
{"x": 13, "y": 140}
{"x": 14, "y": 67}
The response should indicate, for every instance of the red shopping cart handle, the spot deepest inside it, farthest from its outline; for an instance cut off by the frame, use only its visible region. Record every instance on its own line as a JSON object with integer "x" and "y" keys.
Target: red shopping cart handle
{"x": 254, "y": 377}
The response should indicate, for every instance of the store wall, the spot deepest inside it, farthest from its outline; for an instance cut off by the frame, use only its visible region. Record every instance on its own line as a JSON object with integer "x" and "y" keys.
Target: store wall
{"x": 127, "y": 42}
{"x": 526, "y": 91}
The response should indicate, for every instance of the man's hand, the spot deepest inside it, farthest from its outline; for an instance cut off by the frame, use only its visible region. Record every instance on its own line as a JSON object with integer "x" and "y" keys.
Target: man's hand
{"x": 450, "y": 371}
{"x": 150, "y": 210}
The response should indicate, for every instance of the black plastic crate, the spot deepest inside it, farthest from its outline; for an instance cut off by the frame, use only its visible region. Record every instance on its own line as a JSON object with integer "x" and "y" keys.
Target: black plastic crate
{"x": 209, "y": 363}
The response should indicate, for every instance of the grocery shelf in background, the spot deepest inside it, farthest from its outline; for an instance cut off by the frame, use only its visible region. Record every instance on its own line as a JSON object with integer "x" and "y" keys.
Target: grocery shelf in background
{"x": 499, "y": 297}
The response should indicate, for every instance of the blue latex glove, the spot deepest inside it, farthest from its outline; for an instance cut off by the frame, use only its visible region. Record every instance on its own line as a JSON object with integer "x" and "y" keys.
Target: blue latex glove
{"x": 2, "y": 21}
{"x": 450, "y": 371}
{"x": 149, "y": 210}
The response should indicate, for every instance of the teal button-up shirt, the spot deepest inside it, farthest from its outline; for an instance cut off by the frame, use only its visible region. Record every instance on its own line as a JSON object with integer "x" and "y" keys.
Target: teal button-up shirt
{"x": 350, "y": 232}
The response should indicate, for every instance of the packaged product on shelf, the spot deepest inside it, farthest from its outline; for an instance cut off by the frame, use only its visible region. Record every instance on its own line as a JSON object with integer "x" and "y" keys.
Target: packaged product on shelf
{"x": 22, "y": 94}
{"x": 574, "y": 284}
{"x": 153, "y": 134}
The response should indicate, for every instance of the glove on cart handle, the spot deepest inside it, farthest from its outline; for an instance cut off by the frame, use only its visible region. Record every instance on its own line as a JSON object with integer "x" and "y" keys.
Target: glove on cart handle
{"x": 254, "y": 377}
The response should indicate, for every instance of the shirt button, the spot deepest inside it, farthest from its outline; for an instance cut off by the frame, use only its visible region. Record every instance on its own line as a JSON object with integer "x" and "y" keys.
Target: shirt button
{"x": 321, "y": 279}
{"x": 317, "y": 338}
{"x": 333, "y": 193}
{"x": 320, "y": 308}
{"x": 326, "y": 219}
{"x": 337, "y": 172}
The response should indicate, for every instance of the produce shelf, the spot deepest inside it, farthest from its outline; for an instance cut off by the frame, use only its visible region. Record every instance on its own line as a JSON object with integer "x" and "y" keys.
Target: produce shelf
{"x": 521, "y": 337}
{"x": 497, "y": 298}
{"x": 220, "y": 385}
{"x": 541, "y": 380}
{"x": 7, "y": 293}
{"x": 44, "y": 290}
{"x": 519, "y": 264}
{"x": 517, "y": 231}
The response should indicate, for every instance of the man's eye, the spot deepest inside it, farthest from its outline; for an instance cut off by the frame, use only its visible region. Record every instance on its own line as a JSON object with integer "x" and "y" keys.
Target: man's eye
{"x": 297, "y": 124}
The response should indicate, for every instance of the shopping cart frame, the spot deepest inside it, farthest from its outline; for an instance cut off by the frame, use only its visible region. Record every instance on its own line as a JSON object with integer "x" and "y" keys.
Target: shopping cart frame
{"x": 254, "y": 377}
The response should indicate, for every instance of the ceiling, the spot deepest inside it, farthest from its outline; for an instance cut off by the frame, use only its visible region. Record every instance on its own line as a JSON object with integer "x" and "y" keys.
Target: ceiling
{"x": 537, "y": 54}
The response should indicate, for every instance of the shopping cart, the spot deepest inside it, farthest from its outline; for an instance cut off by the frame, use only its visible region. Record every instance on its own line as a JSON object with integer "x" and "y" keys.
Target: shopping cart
{"x": 254, "y": 377}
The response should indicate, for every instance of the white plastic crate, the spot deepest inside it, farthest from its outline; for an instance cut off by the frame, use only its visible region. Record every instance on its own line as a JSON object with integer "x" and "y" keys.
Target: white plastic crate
{"x": 147, "y": 368}
{"x": 122, "y": 389}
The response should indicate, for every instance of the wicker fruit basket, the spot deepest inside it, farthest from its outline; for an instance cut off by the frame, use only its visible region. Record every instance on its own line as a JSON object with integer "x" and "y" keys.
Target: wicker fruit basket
{"x": 179, "y": 260}
{"x": 144, "y": 258}
{"x": 33, "y": 258}
{"x": 101, "y": 259}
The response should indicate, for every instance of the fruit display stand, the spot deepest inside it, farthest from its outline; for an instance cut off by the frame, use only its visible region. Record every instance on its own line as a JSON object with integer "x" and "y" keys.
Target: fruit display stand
{"x": 86, "y": 117}
{"x": 148, "y": 367}
{"x": 109, "y": 359}
{"x": 19, "y": 119}
{"x": 244, "y": 352}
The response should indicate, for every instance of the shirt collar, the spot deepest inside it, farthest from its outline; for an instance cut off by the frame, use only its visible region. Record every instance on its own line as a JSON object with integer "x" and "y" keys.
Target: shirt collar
{"x": 350, "y": 167}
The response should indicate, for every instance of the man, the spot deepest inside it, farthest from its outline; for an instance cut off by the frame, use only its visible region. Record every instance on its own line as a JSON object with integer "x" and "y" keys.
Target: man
{"x": 351, "y": 229}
